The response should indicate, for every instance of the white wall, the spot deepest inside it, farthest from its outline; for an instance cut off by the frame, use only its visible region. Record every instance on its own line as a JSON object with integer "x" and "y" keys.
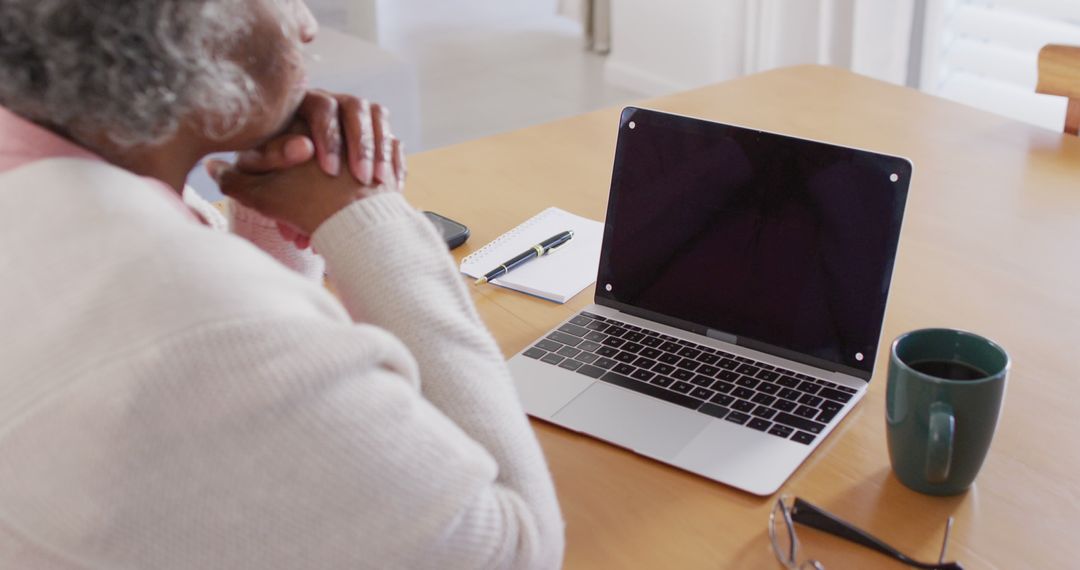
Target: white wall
{"x": 673, "y": 45}
{"x": 881, "y": 39}
{"x": 663, "y": 47}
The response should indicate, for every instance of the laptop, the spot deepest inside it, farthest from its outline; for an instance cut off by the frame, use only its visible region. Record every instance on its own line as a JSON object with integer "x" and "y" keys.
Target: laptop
{"x": 740, "y": 297}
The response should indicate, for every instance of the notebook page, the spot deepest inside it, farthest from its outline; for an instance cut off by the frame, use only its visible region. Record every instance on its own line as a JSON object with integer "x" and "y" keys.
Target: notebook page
{"x": 557, "y": 276}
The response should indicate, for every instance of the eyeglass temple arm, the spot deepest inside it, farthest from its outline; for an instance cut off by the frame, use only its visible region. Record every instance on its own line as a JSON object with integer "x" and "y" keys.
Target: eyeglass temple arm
{"x": 806, "y": 514}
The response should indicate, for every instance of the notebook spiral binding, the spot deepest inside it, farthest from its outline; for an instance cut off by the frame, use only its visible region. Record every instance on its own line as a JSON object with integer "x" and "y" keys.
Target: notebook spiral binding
{"x": 483, "y": 251}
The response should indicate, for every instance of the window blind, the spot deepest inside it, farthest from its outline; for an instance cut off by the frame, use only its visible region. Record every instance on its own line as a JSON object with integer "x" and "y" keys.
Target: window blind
{"x": 987, "y": 54}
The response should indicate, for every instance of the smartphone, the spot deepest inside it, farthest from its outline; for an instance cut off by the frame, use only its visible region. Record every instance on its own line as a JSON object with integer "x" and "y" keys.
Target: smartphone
{"x": 455, "y": 233}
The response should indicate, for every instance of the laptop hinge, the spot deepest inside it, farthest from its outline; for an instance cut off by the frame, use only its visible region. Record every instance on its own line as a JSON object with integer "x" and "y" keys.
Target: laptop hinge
{"x": 721, "y": 336}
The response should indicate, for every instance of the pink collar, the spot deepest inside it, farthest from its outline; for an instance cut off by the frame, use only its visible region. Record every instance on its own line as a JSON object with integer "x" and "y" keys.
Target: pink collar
{"x": 23, "y": 142}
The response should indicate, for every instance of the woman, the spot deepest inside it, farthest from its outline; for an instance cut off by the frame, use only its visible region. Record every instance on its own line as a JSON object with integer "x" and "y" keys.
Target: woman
{"x": 173, "y": 397}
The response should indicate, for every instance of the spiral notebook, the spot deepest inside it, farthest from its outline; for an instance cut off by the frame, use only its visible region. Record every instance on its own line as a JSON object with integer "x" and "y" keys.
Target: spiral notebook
{"x": 557, "y": 276}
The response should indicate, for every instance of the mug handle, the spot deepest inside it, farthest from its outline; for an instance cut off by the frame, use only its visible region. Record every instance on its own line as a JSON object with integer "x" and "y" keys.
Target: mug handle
{"x": 939, "y": 450}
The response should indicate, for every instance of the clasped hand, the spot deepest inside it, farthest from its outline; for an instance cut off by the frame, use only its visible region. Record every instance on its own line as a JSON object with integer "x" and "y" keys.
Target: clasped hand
{"x": 297, "y": 178}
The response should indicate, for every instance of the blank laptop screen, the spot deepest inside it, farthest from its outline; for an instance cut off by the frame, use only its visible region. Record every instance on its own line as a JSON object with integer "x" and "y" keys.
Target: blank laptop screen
{"x": 781, "y": 242}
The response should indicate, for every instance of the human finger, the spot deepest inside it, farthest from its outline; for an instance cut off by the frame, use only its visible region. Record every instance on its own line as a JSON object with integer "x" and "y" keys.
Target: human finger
{"x": 248, "y": 189}
{"x": 216, "y": 168}
{"x": 281, "y": 152}
{"x": 359, "y": 138}
{"x": 319, "y": 110}
{"x": 384, "y": 144}
{"x": 400, "y": 169}
{"x": 302, "y": 196}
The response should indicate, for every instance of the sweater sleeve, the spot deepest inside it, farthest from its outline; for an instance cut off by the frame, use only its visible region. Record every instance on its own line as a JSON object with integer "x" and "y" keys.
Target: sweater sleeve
{"x": 391, "y": 268}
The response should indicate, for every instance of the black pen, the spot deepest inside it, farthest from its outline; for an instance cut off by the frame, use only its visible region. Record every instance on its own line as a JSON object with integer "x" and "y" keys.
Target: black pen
{"x": 543, "y": 248}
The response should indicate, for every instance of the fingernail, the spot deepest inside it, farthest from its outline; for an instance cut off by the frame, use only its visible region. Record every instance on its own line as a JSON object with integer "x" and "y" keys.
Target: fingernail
{"x": 298, "y": 149}
{"x": 367, "y": 171}
{"x": 333, "y": 164}
{"x": 385, "y": 173}
{"x": 214, "y": 168}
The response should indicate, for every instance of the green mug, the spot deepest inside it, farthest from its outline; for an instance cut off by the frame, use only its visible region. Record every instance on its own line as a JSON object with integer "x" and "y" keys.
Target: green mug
{"x": 945, "y": 392}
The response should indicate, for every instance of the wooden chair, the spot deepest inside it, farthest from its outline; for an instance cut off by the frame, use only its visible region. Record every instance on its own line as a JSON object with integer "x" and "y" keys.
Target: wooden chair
{"x": 1059, "y": 74}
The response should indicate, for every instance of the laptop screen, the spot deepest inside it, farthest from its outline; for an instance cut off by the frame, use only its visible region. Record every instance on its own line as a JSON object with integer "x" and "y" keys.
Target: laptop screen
{"x": 783, "y": 243}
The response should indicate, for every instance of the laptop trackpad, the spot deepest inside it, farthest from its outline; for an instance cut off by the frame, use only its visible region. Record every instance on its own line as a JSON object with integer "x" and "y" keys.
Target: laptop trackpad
{"x": 646, "y": 425}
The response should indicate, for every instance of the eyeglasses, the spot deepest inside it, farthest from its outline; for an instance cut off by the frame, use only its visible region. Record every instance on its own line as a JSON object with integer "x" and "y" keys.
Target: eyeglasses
{"x": 786, "y": 545}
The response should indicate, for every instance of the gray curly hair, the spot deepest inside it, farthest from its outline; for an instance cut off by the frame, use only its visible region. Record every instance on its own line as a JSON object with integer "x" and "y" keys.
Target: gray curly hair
{"x": 130, "y": 69}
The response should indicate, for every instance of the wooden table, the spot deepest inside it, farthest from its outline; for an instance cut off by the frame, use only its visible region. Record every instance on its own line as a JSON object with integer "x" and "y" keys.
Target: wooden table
{"x": 991, "y": 243}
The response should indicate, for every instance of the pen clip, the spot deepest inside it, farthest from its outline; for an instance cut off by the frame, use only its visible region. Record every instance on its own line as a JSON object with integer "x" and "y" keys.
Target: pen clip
{"x": 554, "y": 247}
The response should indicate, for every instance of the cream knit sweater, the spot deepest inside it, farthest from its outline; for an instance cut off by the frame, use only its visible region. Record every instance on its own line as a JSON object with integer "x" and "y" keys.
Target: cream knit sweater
{"x": 173, "y": 397}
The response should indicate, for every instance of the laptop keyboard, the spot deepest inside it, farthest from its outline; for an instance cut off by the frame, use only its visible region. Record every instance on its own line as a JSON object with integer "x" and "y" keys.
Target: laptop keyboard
{"x": 740, "y": 390}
